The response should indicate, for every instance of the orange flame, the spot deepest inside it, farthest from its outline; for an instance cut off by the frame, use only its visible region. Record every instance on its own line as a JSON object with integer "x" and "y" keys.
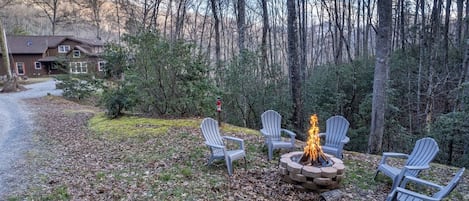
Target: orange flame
{"x": 313, "y": 148}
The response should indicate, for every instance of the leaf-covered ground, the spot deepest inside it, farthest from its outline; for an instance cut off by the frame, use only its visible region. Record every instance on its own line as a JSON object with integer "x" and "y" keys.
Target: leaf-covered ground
{"x": 80, "y": 155}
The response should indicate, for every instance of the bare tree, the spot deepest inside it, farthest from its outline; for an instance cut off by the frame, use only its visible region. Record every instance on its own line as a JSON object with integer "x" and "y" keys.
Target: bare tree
{"x": 5, "y": 3}
{"x": 293, "y": 66}
{"x": 265, "y": 29}
{"x": 51, "y": 9}
{"x": 217, "y": 38}
{"x": 180, "y": 15}
{"x": 383, "y": 48}
{"x": 95, "y": 7}
{"x": 241, "y": 22}
{"x": 460, "y": 7}
{"x": 168, "y": 15}
{"x": 11, "y": 84}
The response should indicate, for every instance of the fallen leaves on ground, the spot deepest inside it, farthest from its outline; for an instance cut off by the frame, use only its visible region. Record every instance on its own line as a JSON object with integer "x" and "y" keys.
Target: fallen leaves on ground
{"x": 71, "y": 162}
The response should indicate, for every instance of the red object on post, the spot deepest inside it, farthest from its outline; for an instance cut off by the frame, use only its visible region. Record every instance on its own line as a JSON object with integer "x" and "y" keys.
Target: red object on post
{"x": 218, "y": 105}
{"x": 219, "y": 111}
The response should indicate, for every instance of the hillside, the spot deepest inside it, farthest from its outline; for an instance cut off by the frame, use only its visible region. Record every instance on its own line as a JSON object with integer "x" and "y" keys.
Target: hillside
{"x": 26, "y": 18}
{"x": 80, "y": 155}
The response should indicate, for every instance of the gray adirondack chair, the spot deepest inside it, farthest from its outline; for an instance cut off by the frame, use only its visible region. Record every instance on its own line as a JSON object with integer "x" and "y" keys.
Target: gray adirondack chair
{"x": 218, "y": 149}
{"x": 402, "y": 194}
{"x": 423, "y": 153}
{"x": 335, "y": 135}
{"x": 271, "y": 130}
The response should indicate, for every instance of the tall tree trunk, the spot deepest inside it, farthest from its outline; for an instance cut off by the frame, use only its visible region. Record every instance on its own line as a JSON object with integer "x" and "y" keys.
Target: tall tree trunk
{"x": 358, "y": 32}
{"x": 180, "y": 15}
{"x": 10, "y": 85}
{"x": 5, "y": 53}
{"x": 117, "y": 4}
{"x": 338, "y": 34}
{"x": 154, "y": 15}
{"x": 168, "y": 14}
{"x": 241, "y": 25}
{"x": 402, "y": 24}
{"x": 55, "y": 4}
{"x": 293, "y": 66}
{"x": 465, "y": 64}
{"x": 422, "y": 47}
{"x": 202, "y": 31}
{"x": 265, "y": 29}
{"x": 241, "y": 19}
{"x": 303, "y": 43}
{"x": 96, "y": 8}
{"x": 383, "y": 46}
{"x": 446, "y": 34}
{"x": 460, "y": 7}
{"x": 435, "y": 43}
{"x": 416, "y": 17}
{"x": 217, "y": 41}
{"x": 367, "y": 23}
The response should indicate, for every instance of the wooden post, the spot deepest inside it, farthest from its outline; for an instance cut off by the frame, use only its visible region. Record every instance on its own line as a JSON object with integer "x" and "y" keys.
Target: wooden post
{"x": 219, "y": 111}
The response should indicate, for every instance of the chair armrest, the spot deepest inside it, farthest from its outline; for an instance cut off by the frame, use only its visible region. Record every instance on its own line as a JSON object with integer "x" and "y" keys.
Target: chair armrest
{"x": 407, "y": 192}
{"x": 290, "y": 133}
{"x": 424, "y": 167}
{"x": 392, "y": 155}
{"x": 395, "y": 155}
{"x": 345, "y": 140}
{"x": 215, "y": 145}
{"x": 402, "y": 175}
{"x": 421, "y": 182}
{"x": 265, "y": 133}
{"x": 235, "y": 139}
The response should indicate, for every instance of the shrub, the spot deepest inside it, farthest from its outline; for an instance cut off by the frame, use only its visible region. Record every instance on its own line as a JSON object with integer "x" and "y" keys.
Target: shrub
{"x": 78, "y": 86}
{"x": 115, "y": 100}
{"x": 169, "y": 80}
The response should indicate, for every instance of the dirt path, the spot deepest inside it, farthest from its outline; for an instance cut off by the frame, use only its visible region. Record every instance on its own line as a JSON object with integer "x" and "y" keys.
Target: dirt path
{"x": 16, "y": 128}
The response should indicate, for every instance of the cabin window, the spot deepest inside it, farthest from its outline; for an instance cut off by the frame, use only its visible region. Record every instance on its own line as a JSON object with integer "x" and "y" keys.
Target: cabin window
{"x": 101, "y": 65}
{"x": 76, "y": 53}
{"x": 64, "y": 48}
{"x": 78, "y": 67}
{"x": 37, "y": 65}
{"x": 20, "y": 68}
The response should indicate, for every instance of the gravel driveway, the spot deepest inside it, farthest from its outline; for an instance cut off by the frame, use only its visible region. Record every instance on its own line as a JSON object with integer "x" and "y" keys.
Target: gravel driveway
{"x": 16, "y": 127}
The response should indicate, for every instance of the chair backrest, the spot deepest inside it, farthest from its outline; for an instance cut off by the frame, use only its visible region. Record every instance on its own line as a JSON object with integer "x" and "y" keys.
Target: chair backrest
{"x": 336, "y": 130}
{"x": 423, "y": 153}
{"x": 451, "y": 185}
{"x": 211, "y": 131}
{"x": 271, "y": 122}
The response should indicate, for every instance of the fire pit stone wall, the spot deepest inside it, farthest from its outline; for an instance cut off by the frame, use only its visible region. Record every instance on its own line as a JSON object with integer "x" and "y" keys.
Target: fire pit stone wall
{"x": 314, "y": 178}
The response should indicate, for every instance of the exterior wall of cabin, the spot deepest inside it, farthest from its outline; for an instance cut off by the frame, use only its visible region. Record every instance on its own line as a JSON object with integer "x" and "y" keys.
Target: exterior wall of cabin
{"x": 61, "y": 60}
{"x": 25, "y": 65}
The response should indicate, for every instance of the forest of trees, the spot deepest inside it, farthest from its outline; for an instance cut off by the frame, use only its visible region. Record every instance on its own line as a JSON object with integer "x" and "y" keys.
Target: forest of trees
{"x": 296, "y": 57}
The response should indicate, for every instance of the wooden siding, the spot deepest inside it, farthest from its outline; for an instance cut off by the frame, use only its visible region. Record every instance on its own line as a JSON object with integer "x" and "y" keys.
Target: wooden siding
{"x": 29, "y": 65}
{"x": 54, "y": 51}
{"x": 47, "y": 65}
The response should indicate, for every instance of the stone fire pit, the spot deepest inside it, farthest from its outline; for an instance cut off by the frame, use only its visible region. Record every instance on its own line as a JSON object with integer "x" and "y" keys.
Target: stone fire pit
{"x": 310, "y": 177}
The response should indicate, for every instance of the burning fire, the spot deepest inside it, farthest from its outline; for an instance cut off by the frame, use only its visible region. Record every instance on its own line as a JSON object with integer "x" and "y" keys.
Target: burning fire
{"x": 313, "y": 152}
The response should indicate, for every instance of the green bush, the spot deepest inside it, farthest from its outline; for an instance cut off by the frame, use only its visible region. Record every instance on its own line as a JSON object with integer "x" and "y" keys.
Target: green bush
{"x": 171, "y": 80}
{"x": 78, "y": 87}
{"x": 115, "y": 100}
{"x": 451, "y": 131}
